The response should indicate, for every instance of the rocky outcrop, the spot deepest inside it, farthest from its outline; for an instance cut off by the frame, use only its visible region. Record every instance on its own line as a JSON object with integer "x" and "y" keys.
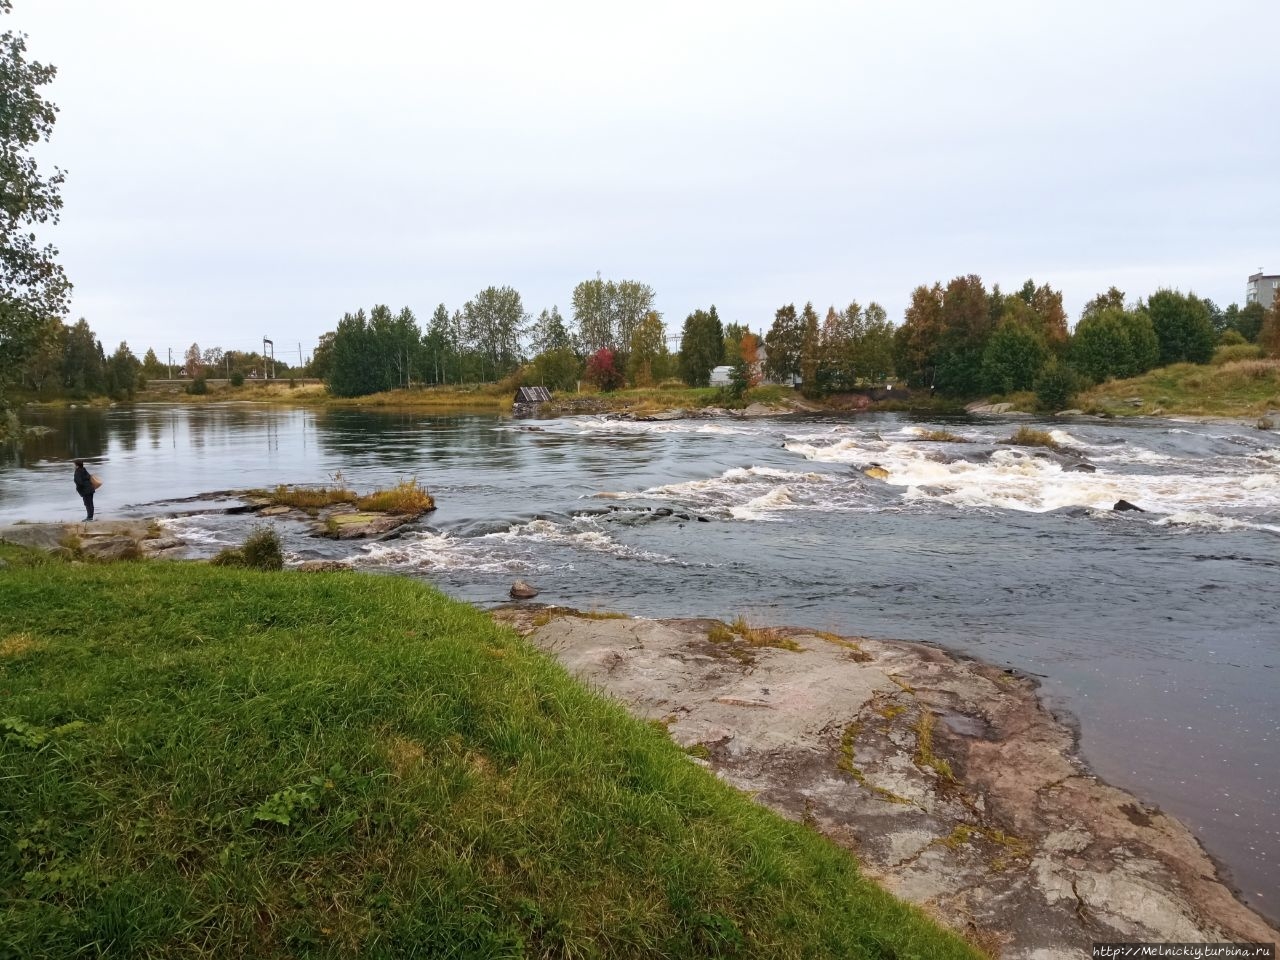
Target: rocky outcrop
{"x": 110, "y": 548}
{"x": 104, "y": 540}
{"x": 989, "y": 408}
{"x": 357, "y": 525}
{"x": 946, "y": 777}
{"x": 520, "y": 590}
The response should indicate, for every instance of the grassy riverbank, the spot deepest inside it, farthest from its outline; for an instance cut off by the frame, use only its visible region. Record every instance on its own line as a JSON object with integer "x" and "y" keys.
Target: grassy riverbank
{"x": 1239, "y": 389}
{"x": 212, "y": 762}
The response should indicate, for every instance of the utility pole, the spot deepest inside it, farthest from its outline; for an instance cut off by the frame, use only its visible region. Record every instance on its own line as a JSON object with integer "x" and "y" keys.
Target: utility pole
{"x": 265, "y": 344}
{"x": 171, "y": 363}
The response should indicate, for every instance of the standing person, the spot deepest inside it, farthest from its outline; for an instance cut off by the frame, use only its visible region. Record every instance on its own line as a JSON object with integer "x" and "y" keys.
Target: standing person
{"x": 84, "y": 487}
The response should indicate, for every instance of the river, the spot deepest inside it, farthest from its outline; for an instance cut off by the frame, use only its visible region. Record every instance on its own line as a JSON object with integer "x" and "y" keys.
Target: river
{"x": 1156, "y": 631}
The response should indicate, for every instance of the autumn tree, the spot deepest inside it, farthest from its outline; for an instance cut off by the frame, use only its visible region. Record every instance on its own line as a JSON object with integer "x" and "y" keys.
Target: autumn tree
{"x": 733, "y": 334}
{"x": 918, "y": 341}
{"x": 647, "y": 356}
{"x": 33, "y": 286}
{"x": 1112, "y": 299}
{"x": 749, "y": 357}
{"x": 602, "y": 370}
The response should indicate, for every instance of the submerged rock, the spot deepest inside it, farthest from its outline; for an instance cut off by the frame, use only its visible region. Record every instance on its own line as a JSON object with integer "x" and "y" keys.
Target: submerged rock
{"x": 520, "y": 590}
{"x": 1123, "y": 505}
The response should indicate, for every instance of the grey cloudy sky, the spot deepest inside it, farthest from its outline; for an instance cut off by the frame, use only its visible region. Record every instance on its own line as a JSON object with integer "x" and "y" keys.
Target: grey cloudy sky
{"x": 240, "y": 169}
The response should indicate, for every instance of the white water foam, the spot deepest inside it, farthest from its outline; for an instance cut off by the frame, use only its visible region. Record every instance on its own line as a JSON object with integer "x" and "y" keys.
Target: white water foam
{"x": 594, "y": 539}
{"x": 1013, "y": 479}
{"x": 442, "y": 552}
{"x": 754, "y": 493}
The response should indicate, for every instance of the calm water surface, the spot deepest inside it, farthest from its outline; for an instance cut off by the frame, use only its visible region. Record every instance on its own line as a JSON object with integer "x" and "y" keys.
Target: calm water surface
{"x": 1156, "y": 631}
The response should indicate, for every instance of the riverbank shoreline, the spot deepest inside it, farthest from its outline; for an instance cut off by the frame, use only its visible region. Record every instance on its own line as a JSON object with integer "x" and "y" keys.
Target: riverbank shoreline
{"x": 948, "y": 777}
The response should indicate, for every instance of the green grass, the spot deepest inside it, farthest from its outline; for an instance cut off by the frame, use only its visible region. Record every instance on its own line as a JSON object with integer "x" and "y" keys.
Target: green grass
{"x": 211, "y": 762}
{"x": 406, "y": 498}
{"x": 1030, "y": 437}
{"x": 1235, "y": 388}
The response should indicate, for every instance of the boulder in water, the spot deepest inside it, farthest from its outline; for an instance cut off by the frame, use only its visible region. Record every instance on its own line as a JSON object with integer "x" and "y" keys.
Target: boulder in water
{"x": 520, "y": 590}
{"x": 1081, "y": 467}
{"x": 876, "y": 472}
{"x": 1123, "y": 505}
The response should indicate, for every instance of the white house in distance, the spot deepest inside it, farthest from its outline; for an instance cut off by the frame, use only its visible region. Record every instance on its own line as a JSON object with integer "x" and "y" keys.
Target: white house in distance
{"x": 1263, "y": 289}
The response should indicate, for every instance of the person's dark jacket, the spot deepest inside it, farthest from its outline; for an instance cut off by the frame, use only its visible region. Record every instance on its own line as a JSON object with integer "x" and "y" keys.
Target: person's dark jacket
{"x": 84, "y": 486}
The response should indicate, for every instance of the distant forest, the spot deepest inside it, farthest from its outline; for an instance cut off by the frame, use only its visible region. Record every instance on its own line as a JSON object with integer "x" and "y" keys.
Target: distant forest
{"x": 959, "y": 339}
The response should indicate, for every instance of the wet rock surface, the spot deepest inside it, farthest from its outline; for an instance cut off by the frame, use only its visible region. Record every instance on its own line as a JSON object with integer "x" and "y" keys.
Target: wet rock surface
{"x": 946, "y": 777}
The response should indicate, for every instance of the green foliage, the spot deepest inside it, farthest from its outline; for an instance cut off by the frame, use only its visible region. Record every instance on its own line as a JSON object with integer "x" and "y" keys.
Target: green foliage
{"x": 1113, "y": 342}
{"x": 739, "y": 381}
{"x": 607, "y": 313}
{"x": 812, "y": 355}
{"x": 237, "y": 378}
{"x": 261, "y": 551}
{"x": 1056, "y": 385}
{"x": 483, "y": 802}
{"x": 1013, "y": 358}
{"x": 493, "y": 321}
{"x": 198, "y": 387}
{"x": 701, "y": 346}
{"x": 783, "y": 344}
{"x": 557, "y": 369}
{"x": 33, "y": 287}
{"x": 289, "y": 804}
{"x": 549, "y": 333}
{"x": 82, "y": 361}
{"x": 1230, "y": 337}
{"x": 1248, "y": 320}
{"x": 648, "y": 360}
{"x": 1182, "y": 326}
{"x": 1236, "y": 351}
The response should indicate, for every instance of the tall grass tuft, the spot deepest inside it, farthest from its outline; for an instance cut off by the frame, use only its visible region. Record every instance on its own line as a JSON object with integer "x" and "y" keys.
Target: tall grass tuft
{"x": 406, "y": 498}
{"x": 1030, "y": 437}
{"x": 261, "y": 551}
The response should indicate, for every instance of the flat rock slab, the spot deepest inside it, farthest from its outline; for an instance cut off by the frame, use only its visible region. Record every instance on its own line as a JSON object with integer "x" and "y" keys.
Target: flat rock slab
{"x": 955, "y": 788}
{"x": 96, "y": 539}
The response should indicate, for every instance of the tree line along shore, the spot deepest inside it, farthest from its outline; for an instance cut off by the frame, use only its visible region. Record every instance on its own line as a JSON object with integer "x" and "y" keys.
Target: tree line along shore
{"x": 957, "y": 342}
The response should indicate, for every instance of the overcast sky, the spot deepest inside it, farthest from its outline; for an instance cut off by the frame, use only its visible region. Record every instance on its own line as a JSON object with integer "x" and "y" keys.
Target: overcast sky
{"x": 240, "y": 169}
